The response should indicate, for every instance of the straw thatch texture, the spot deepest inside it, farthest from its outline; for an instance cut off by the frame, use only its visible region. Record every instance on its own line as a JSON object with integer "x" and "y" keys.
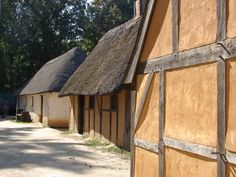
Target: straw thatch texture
{"x": 54, "y": 74}
{"x": 104, "y": 69}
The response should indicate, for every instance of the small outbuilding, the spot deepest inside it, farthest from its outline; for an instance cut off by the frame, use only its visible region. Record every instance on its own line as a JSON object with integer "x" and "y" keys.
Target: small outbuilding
{"x": 40, "y": 95}
{"x": 100, "y": 97}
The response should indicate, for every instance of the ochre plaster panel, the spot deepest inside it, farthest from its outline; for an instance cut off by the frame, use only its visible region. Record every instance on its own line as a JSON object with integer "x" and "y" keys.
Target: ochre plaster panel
{"x": 121, "y": 118}
{"x": 141, "y": 80}
{"x": 106, "y": 125}
{"x": 72, "y": 114}
{"x": 92, "y": 133}
{"x": 106, "y": 102}
{"x": 231, "y": 25}
{"x": 149, "y": 120}
{"x": 197, "y": 24}
{"x": 113, "y": 126}
{"x": 158, "y": 41}
{"x": 191, "y": 104}
{"x": 146, "y": 163}
{"x": 230, "y": 170}
{"x": 231, "y": 106}
{"x": 86, "y": 121}
{"x": 97, "y": 104}
{"x": 86, "y": 101}
{"x": 182, "y": 164}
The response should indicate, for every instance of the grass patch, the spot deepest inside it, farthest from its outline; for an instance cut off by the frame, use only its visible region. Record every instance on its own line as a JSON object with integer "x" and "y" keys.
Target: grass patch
{"x": 97, "y": 143}
{"x": 68, "y": 132}
{"x": 118, "y": 150}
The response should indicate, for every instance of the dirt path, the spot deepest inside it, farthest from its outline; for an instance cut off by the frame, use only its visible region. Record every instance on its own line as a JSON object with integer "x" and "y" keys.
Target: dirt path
{"x": 28, "y": 150}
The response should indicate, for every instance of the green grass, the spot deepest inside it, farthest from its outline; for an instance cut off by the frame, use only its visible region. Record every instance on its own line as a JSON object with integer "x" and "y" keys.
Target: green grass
{"x": 97, "y": 143}
{"x": 68, "y": 132}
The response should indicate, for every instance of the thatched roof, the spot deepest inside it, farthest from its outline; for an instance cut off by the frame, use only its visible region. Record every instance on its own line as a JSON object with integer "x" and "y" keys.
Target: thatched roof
{"x": 104, "y": 69}
{"x": 54, "y": 74}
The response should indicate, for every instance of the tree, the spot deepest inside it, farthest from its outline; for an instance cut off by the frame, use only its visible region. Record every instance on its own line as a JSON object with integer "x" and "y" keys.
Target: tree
{"x": 35, "y": 31}
{"x": 104, "y": 15}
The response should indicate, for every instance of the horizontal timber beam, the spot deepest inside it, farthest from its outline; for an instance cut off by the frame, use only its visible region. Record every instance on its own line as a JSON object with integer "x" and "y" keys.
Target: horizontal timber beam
{"x": 201, "y": 150}
{"x": 146, "y": 145}
{"x": 201, "y": 55}
{"x": 231, "y": 157}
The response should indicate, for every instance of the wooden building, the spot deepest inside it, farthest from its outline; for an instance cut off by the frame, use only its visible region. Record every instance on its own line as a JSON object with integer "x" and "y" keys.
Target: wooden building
{"x": 184, "y": 96}
{"x": 39, "y": 96}
{"x": 100, "y": 99}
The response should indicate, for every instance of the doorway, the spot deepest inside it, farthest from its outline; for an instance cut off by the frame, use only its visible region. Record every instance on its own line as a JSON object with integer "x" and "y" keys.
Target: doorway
{"x": 41, "y": 109}
{"x": 80, "y": 114}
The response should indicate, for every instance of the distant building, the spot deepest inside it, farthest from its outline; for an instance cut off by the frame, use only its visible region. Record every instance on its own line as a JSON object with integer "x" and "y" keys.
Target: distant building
{"x": 7, "y": 104}
{"x": 100, "y": 97}
{"x": 40, "y": 95}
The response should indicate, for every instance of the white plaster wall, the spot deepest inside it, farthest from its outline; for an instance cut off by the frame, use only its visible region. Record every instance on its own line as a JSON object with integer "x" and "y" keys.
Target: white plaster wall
{"x": 59, "y": 110}
{"x": 56, "y": 110}
{"x": 73, "y": 123}
{"x": 45, "y": 108}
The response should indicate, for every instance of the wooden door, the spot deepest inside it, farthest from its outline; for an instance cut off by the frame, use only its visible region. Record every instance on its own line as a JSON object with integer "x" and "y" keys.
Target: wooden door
{"x": 41, "y": 109}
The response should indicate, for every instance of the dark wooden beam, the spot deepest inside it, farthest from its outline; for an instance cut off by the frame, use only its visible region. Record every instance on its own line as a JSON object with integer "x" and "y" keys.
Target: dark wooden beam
{"x": 221, "y": 20}
{"x": 146, "y": 145}
{"x": 201, "y": 150}
{"x": 161, "y": 121}
{"x": 101, "y": 116}
{"x": 230, "y": 48}
{"x": 142, "y": 100}
{"x": 110, "y": 119}
{"x": 132, "y": 130}
{"x": 197, "y": 149}
{"x": 175, "y": 25}
{"x": 141, "y": 39}
{"x": 187, "y": 58}
{"x": 221, "y": 123}
{"x": 127, "y": 118}
{"x": 230, "y": 157}
{"x": 201, "y": 55}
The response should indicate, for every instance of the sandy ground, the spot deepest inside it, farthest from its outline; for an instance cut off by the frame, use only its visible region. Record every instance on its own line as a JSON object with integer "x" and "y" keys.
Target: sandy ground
{"x": 28, "y": 150}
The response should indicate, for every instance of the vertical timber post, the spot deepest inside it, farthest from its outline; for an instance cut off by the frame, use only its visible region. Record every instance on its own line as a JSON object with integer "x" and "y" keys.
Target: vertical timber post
{"x": 161, "y": 122}
{"x": 175, "y": 25}
{"x": 132, "y": 131}
{"x": 221, "y": 122}
{"x": 127, "y": 117}
{"x": 221, "y": 20}
{"x": 221, "y": 93}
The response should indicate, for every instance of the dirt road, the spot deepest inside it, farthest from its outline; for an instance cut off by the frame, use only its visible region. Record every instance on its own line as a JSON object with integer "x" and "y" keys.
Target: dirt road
{"x": 28, "y": 150}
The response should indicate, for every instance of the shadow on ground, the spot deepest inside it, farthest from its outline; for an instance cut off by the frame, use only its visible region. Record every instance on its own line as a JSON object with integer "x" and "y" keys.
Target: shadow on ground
{"x": 19, "y": 149}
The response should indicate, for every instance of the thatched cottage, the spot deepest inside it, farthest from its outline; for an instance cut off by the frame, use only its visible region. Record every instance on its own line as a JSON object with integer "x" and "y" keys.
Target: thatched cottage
{"x": 184, "y": 101}
{"x": 99, "y": 96}
{"x": 40, "y": 95}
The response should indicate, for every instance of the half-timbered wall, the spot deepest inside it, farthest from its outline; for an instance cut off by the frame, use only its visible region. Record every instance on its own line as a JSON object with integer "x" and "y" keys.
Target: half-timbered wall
{"x": 108, "y": 117}
{"x": 183, "y": 100}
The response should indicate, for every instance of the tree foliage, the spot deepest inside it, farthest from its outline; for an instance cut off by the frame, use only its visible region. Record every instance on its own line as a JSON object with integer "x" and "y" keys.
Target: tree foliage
{"x": 35, "y": 31}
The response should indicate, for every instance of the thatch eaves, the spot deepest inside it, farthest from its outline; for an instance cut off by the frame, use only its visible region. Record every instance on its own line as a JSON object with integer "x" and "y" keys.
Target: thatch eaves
{"x": 54, "y": 74}
{"x": 105, "y": 68}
